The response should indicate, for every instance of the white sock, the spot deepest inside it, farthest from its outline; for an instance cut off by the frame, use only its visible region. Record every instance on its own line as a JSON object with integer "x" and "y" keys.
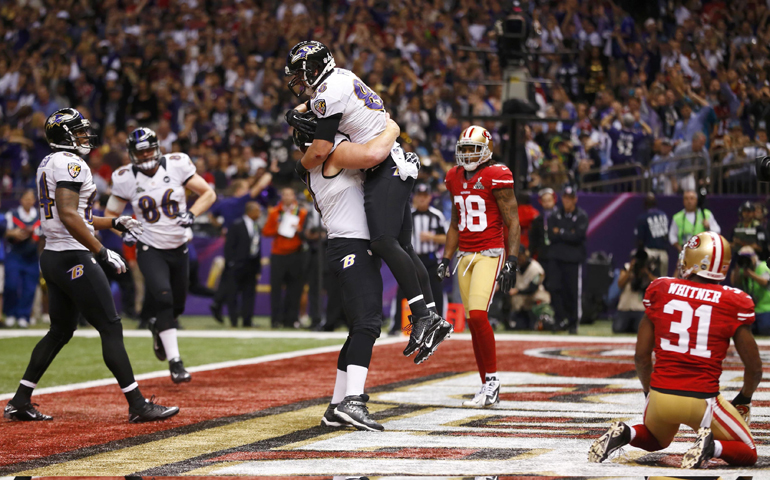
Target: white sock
{"x": 28, "y": 384}
{"x": 356, "y": 379}
{"x": 339, "y": 387}
{"x": 168, "y": 338}
{"x": 633, "y": 434}
{"x": 492, "y": 376}
{"x": 717, "y": 449}
{"x": 133, "y": 386}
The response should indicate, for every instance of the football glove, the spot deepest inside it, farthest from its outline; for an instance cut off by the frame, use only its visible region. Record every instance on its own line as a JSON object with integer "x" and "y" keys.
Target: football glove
{"x": 507, "y": 277}
{"x": 129, "y": 239}
{"x": 742, "y": 403}
{"x": 304, "y": 122}
{"x": 127, "y": 224}
{"x": 413, "y": 158}
{"x": 185, "y": 219}
{"x": 443, "y": 268}
{"x": 113, "y": 259}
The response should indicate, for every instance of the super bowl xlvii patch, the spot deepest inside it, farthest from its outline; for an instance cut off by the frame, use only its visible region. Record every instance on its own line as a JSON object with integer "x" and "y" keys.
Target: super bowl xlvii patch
{"x": 320, "y": 106}
{"x": 73, "y": 169}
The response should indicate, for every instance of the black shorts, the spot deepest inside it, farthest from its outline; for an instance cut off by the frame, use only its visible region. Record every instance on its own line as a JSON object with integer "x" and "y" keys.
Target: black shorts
{"x": 76, "y": 283}
{"x": 386, "y": 200}
{"x": 358, "y": 273}
{"x": 164, "y": 271}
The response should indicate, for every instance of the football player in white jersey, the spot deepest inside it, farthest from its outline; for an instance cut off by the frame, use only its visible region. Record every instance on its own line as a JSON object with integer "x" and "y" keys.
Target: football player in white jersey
{"x": 155, "y": 186}
{"x": 76, "y": 283}
{"x": 343, "y": 103}
{"x": 337, "y": 190}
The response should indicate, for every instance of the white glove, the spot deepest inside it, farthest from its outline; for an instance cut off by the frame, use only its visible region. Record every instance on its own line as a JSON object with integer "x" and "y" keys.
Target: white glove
{"x": 113, "y": 259}
{"x": 185, "y": 219}
{"x": 129, "y": 239}
{"x": 408, "y": 165}
{"x": 128, "y": 224}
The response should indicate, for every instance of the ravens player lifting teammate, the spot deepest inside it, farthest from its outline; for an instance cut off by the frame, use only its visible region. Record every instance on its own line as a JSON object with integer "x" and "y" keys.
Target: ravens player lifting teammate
{"x": 76, "y": 283}
{"x": 342, "y": 102}
{"x": 155, "y": 185}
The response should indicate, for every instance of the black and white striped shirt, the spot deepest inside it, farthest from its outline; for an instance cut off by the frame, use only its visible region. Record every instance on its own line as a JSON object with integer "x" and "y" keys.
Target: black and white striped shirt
{"x": 431, "y": 220}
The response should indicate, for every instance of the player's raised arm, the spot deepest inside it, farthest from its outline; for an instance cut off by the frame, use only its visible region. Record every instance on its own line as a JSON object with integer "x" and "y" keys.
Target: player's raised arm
{"x": 375, "y": 151}
{"x": 645, "y": 342}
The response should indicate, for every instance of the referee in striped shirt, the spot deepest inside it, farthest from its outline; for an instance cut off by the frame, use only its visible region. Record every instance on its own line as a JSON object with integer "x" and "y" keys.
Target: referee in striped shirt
{"x": 428, "y": 239}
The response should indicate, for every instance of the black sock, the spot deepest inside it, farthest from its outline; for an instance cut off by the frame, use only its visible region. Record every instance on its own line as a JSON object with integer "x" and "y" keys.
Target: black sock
{"x": 360, "y": 349}
{"x": 43, "y": 354}
{"x": 400, "y": 264}
{"x": 134, "y": 398}
{"x": 422, "y": 276}
{"x": 114, "y": 354}
{"x": 23, "y": 395}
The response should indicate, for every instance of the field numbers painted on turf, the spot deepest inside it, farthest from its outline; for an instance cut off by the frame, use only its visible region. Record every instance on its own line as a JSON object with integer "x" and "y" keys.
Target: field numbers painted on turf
{"x": 349, "y": 260}
{"x": 682, "y": 328}
{"x": 472, "y": 212}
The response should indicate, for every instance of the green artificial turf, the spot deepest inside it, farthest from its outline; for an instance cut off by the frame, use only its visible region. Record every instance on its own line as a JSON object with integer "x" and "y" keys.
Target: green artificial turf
{"x": 81, "y": 359}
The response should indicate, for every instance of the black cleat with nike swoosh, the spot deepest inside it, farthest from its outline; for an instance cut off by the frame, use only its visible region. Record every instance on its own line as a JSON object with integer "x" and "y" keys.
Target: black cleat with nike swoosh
{"x": 150, "y": 412}
{"x": 25, "y": 413}
{"x": 440, "y": 330}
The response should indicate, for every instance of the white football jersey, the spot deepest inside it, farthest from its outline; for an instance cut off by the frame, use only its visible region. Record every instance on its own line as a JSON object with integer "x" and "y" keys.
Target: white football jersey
{"x": 69, "y": 171}
{"x": 363, "y": 113}
{"x": 157, "y": 200}
{"x": 340, "y": 200}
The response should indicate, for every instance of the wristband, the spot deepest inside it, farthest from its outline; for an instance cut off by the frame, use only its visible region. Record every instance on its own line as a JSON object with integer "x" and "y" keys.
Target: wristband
{"x": 300, "y": 169}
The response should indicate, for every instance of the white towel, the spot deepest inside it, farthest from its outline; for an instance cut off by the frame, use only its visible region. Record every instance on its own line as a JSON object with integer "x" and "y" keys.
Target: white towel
{"x": 408, "y": 165}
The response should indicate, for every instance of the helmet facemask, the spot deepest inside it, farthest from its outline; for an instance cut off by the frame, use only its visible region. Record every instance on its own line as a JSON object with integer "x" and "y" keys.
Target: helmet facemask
{"x": 78, "y": 136}
{"x": 145, "y": 155}
{"x": 470, "y": 154}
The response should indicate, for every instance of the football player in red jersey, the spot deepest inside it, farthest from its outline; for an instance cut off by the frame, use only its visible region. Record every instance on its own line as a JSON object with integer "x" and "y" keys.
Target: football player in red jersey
{"x": 688, "y": 323}
{"x": 484, "y": 208}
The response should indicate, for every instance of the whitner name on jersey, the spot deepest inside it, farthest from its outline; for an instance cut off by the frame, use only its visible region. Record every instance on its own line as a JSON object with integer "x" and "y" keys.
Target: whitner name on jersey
{"x": 157, "y": 200}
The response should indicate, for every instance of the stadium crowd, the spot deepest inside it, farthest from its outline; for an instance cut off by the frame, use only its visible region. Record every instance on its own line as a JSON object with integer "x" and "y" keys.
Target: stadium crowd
{"x": 680, "y": 92}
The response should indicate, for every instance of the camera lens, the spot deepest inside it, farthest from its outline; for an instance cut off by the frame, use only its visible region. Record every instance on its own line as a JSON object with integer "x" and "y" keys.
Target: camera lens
{"x": 763, "y": 169}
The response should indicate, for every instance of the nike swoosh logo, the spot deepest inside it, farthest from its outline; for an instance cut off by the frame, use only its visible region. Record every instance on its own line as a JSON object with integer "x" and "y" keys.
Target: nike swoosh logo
{"x": 429, "y": 341}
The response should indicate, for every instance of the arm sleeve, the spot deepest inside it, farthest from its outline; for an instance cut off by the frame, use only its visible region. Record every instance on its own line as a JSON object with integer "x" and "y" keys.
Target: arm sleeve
{"x": 328, "y": 100}
{"x": 182, "y": 167}
{"x": 327, "y": 128}
{"x": 271, "y": 225}
{"x": 743, "y": 308}
{"x": 120, "y": 182}
{"x": 649, "y": 300}
{"x": 503, "y": 179}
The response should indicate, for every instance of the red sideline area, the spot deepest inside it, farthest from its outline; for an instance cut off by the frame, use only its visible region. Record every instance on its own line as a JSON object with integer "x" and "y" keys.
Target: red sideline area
{"x": 94, "y": 416}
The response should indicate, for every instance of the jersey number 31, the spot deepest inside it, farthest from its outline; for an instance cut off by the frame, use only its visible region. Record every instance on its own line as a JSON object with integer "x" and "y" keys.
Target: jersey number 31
{"x": 471, "y": 212}
{"x": 681, "y": 328}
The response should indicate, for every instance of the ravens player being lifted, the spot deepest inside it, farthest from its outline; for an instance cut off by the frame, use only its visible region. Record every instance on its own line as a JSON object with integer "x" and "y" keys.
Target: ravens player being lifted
{"x": 76, "y": 283}
{"x": 155, "y": 185}
{"x": 342, "y": 102}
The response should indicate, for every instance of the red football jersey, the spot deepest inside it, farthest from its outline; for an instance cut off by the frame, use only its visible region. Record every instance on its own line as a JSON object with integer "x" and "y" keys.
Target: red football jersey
{"x": 693, "y": 323}
{"x": 480, "y": 223}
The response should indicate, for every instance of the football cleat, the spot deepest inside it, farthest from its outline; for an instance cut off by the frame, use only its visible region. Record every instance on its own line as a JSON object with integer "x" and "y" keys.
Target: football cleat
{"x": 477, "y": 399}
{"x": 331, "y": 419}
{"x": 433, "y": 340}
{"x": 618, "y": 436}
{"x": 150, "y": 412}
{"x": 25, "y": 413}
{"x": 491, "y": 392}
{"x": 23, "y": 323}
{"x": 178, "y": 372}
{"x": 702, "y": 450}
{"x": 157, "y": 344}
{"x": 353, "y": 410}
{"x": 10, "y": 322}
{"x": 420, "y": 329}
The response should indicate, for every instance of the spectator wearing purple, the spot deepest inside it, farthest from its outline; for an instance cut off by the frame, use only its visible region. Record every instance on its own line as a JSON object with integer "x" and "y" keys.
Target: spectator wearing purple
{"x": 230, "y": 208}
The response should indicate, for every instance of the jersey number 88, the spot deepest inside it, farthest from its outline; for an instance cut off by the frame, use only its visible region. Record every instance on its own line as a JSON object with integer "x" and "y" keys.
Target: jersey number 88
{"x": 150, "y": 209}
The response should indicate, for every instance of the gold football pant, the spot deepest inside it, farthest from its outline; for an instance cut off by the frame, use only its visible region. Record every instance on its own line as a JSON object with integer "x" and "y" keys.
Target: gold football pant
{"x": 477, "y": 276}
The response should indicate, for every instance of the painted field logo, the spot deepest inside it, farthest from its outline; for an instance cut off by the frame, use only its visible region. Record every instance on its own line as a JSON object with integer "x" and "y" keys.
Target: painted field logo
{"x": 76, "y": 271}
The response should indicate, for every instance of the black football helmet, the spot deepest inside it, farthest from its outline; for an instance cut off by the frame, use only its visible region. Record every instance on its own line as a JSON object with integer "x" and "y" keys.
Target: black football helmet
{"x": 308, "y": 63}
{"x": 66, "y": 129}
{"x": 143, "y": 148}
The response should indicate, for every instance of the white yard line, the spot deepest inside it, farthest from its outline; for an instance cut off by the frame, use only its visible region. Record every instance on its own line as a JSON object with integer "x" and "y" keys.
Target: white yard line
{"x": 200, "y": 368}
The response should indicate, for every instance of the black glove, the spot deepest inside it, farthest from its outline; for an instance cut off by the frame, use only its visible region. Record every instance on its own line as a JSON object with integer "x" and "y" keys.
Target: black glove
{"x": 113, "y": 259}
{"x": 741, "y": 399}
{"x": 304, "y": 122}
{"x": 742, "y": 403}
{"x": 443, "y": 268}
{"x": 300, "y": 169}
{"x": 507, "y": 278}
{"x": 185, "y": 219}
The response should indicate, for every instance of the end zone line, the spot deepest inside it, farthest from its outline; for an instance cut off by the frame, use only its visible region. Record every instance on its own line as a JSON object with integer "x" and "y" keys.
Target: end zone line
{"x": 199, "y": 368}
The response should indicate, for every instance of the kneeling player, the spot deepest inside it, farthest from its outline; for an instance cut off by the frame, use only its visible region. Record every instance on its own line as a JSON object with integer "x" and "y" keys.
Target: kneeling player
{"x": 688, "y": 323}
{"x": 155, "y": 185}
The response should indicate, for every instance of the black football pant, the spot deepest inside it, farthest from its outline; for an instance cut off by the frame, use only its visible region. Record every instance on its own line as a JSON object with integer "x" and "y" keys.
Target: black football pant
{"x": 240, "y": 280}
{"x": 77, "y": 284}
{"x": 166, "y": 278}
{"x": 436, "y": 287}
{"x": 564, "y": 283}
{"x": 386, "y": 200}
{"x": 286, "y": 270}
{"x": 125, "y": 282}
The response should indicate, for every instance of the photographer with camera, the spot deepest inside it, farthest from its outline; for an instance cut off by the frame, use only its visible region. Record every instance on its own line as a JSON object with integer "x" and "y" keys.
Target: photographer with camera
{"x": 753, "y": 277}
{"x": 634, "y": 279}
